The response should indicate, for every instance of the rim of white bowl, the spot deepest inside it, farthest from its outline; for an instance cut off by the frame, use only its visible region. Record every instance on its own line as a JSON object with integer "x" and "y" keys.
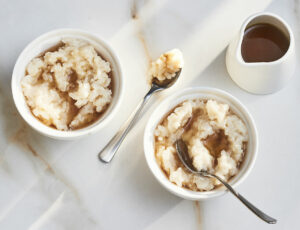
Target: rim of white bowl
{"x": 199, "y": 92}
{"x": 39, "y": 45}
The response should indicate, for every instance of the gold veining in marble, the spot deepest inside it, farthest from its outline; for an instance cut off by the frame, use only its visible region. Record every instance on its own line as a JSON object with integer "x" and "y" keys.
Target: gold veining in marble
{"x": 140, "y": 34}
{"x": 198, "y": 215}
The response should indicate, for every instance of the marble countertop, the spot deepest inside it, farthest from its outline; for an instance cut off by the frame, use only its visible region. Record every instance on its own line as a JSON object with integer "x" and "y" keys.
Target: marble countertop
{"x": 50, "y": 184}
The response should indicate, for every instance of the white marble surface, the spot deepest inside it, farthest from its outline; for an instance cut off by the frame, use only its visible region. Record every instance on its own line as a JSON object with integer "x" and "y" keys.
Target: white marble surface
{"x": 49, "y": 184}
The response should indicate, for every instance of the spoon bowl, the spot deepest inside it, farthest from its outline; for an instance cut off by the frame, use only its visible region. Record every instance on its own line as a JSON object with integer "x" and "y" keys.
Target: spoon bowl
{"x": 167, "y": 82}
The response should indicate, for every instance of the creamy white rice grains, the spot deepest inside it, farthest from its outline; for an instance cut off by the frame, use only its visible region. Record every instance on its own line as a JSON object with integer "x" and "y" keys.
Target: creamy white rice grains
{"x": 208, "y": 120}
{"x": 166, "y": 66}
{"x": 68, "y": 88}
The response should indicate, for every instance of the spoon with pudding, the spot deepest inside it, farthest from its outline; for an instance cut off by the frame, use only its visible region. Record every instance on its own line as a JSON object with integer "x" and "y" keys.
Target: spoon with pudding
{"x": 164, "y": 71}
{"x": 182, "y": 152}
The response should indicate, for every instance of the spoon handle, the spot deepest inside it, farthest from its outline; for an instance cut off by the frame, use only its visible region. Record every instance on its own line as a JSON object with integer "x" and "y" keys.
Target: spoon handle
{"x": 109, "y": 151}
{"x": 255, "y": 210}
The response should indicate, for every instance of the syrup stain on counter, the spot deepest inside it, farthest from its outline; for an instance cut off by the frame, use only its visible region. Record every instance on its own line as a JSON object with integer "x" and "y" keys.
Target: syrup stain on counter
{"x": 134, "y": 10}
{"x": 198, "y": 215}
{"x": 137, "y": 19}
{"x": 21, "y": 138}
{"x": 35, "y": 153}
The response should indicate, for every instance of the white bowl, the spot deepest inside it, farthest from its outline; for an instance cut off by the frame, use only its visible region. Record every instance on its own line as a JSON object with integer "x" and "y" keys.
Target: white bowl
{"x": 168, "y": 104}
{"x": 43, "y": 43}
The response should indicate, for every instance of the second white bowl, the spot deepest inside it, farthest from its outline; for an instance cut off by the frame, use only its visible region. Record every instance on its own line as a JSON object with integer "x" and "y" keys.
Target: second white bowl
{"x": 205, "y": 93}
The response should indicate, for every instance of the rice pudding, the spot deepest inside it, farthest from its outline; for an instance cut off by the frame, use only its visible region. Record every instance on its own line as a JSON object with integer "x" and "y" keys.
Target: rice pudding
{"x": 68, "y": 87}
{"x": 166, "y": 66}
{"x": 216, "y": 139}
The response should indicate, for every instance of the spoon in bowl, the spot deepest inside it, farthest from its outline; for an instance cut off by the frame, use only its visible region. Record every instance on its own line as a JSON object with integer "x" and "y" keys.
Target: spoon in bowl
{"x": 182, "y": 152}
{"x": 109, "y": 151}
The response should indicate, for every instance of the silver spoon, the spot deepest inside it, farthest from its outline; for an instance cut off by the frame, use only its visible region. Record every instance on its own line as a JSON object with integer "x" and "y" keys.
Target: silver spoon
{"x": 108, "y": 152}
{"x": 183, "y": 155}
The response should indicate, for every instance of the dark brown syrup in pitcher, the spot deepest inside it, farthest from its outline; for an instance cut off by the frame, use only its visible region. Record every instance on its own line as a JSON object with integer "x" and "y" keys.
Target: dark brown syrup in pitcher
{"x": 263, "y": 43}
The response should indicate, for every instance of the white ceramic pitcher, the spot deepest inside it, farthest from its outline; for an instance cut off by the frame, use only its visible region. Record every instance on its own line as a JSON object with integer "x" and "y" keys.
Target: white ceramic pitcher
{"x": 261, "y": 77}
